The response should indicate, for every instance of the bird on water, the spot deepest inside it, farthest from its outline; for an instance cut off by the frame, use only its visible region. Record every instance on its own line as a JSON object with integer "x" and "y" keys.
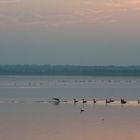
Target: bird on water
{"x": 123, "y": 101}
{"x": 56, "y": 100}
{"x": 107, "y": 101}
{"x": 94, "y": 101}
{"x": 81, "y": 110}
{"x": 111, "y": 100}
{"x": 84, "y": 101}
{"x": 75, "y": 101}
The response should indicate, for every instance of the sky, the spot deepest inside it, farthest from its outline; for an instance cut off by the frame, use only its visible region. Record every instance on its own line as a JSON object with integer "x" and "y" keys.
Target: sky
{"x": 74, "y": 32}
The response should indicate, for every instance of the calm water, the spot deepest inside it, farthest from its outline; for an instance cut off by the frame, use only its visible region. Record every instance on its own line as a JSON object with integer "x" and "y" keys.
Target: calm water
{"x": 69, "y": 87}
{"x": 26, "y": 114}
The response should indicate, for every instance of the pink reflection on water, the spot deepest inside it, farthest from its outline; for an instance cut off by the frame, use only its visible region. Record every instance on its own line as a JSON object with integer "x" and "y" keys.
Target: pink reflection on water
{"x": 64, "y": 122}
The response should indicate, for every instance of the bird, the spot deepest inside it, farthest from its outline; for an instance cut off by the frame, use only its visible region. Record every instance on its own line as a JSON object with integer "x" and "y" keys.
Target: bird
{"x": 84, "y": 101}
{"x": 81, "y": 110}
{"x": 107, "y": 101}
{"x": 111, "y": 100}
{"x": 138, "y": 101}
{"x": 94, "y": 101}
{"x": 75, "y": 101}
{"x": 123, "y": 101}
{"x": 56, "y": 100}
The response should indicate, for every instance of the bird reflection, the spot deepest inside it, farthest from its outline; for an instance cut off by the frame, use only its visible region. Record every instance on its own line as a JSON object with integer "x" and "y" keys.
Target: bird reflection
{"x": 56, "y": 103}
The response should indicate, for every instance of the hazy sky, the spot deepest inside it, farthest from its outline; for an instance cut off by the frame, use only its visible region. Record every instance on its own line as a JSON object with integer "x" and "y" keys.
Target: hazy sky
{"x": 85, "y": 32}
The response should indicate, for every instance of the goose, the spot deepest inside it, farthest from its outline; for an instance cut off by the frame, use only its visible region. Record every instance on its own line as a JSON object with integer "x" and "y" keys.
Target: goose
{"x": 107, "y": 101}
{"x": 84, "y": 101}
{"x": 111, "y": 100}
{"x": 81, "y": 110}
{"x": 56, "y": 100}
{"x": 123, "y": 101}
{"x": 75, "y": 101}
{"x": 94, "y": 101}
{"x": 138, "y": 101}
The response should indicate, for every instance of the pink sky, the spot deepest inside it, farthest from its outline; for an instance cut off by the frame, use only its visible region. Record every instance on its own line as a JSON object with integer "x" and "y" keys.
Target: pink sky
{"x": 49, "y": 13}
{"x": 64, "y": 31}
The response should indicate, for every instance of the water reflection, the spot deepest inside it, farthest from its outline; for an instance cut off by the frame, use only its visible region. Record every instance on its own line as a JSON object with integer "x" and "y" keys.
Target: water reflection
{"x": 56, "y": 103}
{"x": 41, "y": 121}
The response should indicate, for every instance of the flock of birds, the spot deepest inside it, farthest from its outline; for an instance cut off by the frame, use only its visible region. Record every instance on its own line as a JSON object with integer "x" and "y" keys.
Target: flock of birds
{"x": 107, "y": 101}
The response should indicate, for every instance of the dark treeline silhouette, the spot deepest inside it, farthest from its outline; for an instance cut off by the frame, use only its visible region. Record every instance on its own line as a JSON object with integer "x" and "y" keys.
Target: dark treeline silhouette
{"x": 70, "y": 70}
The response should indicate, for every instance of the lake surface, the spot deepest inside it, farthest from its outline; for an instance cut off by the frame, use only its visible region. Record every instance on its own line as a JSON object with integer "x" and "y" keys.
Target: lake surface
{"x": 27, "y": 114}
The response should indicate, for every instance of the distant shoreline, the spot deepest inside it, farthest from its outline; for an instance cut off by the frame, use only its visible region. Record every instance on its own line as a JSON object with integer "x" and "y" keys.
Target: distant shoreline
{"x": 69, "y": 70}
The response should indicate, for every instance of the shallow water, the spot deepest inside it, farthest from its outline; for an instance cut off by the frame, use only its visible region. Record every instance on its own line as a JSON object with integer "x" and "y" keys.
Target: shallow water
{"x": 26, "y": 114}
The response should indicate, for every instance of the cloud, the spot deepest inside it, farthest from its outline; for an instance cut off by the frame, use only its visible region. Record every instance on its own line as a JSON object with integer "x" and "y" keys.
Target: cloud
{"x": 114, "y": 5}
{"x": 124, "y": 5}
{"x": 87, "y": 12}
{"x": 9, "y": 1}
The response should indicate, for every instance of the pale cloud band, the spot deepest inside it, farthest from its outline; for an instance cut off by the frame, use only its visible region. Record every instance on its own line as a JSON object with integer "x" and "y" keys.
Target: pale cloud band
{"x": 45, "y": 13}
{"x": 9, "y": 1}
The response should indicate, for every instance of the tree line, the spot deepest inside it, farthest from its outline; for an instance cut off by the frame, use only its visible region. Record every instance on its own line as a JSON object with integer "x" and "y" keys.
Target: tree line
{"x": 70, "y": 70}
